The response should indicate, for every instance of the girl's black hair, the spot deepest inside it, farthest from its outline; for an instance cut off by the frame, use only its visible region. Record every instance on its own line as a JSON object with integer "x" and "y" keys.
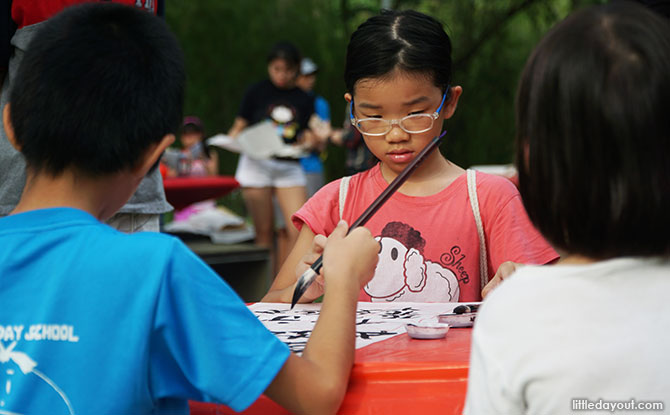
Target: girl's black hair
{"x": 286, "y": 51}
{"x": 407, "y": 40}
{"x": 593, "y": 133}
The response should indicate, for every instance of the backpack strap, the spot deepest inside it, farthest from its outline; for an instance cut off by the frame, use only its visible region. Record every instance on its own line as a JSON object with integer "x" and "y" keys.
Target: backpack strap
{"x": 344, "y": 188}
{"x": 474, "y": 203}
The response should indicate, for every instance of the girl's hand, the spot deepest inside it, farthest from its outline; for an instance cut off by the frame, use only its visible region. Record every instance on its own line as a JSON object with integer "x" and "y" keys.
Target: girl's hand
{"x": 505, "y": 270}
{"x": 316, "y": 289}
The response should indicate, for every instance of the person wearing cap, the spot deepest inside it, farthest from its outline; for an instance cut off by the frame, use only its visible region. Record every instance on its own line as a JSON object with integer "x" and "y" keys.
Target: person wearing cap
{"x": 203, "y": 161}
{"x": 319, "y": 124}
{"x": 194, "y": 159}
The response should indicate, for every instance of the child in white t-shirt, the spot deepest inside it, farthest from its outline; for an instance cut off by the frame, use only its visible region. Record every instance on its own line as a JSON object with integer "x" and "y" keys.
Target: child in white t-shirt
{"x": 593, "y": 140}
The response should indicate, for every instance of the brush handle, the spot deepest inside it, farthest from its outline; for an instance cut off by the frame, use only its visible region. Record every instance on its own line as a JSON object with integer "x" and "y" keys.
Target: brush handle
{"x": 396, "y": 183}
{"x": 308, "y": 276}
{"x": 388, "y": 192}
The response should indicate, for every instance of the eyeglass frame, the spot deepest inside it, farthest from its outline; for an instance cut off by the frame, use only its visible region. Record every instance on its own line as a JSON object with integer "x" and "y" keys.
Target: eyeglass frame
{"x": 391, "y": 123}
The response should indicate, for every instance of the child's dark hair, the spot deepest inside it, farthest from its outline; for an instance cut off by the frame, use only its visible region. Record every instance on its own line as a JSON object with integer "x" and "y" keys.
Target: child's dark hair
{"x": 407, "y": 40}
{"x": 98, "y": 85}
{"x": 286, "y": 51}
{"x": 192, "y": 124}
{"x": 593, "y": 133}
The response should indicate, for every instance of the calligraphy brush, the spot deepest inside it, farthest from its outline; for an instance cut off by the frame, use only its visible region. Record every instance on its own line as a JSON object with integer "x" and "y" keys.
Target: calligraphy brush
{"x": 308, "y": 277}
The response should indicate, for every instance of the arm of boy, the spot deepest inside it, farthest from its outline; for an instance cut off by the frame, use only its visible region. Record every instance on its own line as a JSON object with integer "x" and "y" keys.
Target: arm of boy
{"x": 504, "y": 270}
{"x": 307, "y": 249}
{"x": 317, "y": 381}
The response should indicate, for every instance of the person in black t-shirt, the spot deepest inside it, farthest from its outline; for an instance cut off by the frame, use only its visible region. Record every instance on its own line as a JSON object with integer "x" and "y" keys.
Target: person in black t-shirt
{"x": 277, "y": 99}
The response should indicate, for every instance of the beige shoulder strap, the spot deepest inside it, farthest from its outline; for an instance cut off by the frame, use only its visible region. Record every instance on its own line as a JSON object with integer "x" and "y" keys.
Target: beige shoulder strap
{"x": 474, "y": 203}
{"x": 344, "y": 188}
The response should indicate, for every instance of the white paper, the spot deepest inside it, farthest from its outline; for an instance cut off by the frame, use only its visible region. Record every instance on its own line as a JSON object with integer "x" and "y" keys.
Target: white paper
{"x": 374, "y": 321}
{"x": 224, "y": 141}
{"x": 220, "y": 224}
{"x": 260, "y": 141}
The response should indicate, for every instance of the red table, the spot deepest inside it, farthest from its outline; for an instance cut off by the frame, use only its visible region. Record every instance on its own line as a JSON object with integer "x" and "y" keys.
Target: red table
{"x": 183, "y": 191}
{"x": 399, "y": 375}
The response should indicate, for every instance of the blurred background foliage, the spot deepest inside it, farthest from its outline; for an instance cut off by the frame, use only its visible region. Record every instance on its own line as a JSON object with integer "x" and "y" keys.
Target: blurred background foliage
{"x": 225, "y": 45}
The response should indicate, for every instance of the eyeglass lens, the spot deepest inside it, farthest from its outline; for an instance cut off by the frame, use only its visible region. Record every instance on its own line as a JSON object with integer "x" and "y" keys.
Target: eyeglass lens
{"x": 412, "y": 124}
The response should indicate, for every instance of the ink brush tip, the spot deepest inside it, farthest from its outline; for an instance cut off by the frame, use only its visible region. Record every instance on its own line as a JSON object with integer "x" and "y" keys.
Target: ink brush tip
{"x": 305, "y": 280}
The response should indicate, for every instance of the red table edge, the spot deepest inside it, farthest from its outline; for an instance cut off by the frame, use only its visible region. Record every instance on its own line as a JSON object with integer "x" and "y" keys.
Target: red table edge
{"x": 406, "y": 371}
{"x": 187, "y": 182}
{"x": 180, "y": 192}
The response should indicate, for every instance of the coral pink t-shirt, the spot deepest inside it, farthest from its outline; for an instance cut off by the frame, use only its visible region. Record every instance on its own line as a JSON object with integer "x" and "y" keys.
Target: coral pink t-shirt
{"x": 429, "y": 245}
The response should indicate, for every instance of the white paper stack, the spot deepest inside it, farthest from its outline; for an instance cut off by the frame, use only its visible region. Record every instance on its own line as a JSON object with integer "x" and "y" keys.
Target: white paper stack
{"x": 260, "y": 141}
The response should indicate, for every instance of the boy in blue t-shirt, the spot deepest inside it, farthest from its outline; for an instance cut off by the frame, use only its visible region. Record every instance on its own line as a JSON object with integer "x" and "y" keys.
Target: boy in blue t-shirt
{"x": 97, "y": 321}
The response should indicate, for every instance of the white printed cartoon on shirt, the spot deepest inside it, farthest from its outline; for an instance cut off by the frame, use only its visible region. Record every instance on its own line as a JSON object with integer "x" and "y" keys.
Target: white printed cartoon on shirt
{"x": 17, "y": 368}
{"x": 403, "y": 274}
{"x": 284, "y": 118}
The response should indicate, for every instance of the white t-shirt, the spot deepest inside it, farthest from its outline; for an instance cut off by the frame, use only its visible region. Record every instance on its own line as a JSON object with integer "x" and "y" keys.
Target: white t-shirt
{"x": 550, "y": 335}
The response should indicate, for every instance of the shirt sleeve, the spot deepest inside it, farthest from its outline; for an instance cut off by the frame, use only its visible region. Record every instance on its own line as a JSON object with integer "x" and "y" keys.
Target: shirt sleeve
{"x": 321, "y": 108}
{"x": 322, "y": 211}
{"x": 488, "y": 391}
{"x": 206, "y": 344}
{"x": 485, "y": 395}
{"x": 248, "y": 105}
{"x": 510, "y": 234}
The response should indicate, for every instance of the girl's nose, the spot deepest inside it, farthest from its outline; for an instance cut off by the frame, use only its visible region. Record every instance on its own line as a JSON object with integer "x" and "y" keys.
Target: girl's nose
{"x": 397, "y": 134}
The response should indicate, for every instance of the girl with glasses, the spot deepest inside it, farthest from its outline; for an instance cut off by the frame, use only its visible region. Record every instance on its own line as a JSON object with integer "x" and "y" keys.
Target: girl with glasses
{"x": 398, "y": 79}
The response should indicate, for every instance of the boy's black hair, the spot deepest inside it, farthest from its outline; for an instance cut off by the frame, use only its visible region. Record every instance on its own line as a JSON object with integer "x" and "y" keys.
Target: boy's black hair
{"x": 407, "y": 40}
{"x": 98, "y": 85}
{"x": 286, "y": 51}
{"x": 593, "y": 133}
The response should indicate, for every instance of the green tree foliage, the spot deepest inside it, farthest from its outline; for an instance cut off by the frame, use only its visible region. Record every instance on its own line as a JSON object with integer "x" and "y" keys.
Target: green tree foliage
{"x": 225, "y": 43}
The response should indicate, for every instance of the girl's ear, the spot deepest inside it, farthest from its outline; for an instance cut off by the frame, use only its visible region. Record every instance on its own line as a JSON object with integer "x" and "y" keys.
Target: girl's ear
{"x": 450, "y": 106}
{"x": 348, "y": 97}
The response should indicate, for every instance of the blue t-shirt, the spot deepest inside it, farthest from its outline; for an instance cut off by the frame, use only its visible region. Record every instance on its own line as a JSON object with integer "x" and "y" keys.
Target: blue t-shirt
{"x": 94, "y": 321}
{"x": 321, "y": 107}
{"x": 312, "y": 162}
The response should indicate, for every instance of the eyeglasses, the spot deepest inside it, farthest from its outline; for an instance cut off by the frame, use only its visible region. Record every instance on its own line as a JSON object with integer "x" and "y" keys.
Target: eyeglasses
{"x": 411, "y": 124}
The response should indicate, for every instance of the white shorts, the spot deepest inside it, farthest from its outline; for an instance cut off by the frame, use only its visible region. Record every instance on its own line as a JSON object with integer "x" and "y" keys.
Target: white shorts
{"x": 269, "y": 173}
